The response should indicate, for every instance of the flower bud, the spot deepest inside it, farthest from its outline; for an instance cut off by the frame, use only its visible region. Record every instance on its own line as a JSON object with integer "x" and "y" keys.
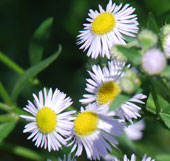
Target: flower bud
{"x": 166, "y": 45}
{"x": 153, "y": 62}
{"x": 115, "y": 53}
{"x": 165, "y": 29}
{"x": 147, "y": 39}
{"x": 130, "y": 82}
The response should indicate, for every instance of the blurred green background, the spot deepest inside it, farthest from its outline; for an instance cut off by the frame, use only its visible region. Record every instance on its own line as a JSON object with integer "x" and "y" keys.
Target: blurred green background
{"x": 18, "y": 21}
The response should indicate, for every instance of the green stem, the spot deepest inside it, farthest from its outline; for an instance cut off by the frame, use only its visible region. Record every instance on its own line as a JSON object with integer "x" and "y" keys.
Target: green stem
{"x": 11, "y": 64}
{"x": 4, "y": 94}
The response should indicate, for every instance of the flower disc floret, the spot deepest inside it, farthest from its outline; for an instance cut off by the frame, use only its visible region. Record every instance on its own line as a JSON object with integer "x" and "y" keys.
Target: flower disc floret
{"x": 103, "y": 23}
{"x": 107, "y": 92}
{"x": 86, "y": 123}
{"x": 46, "y": 120}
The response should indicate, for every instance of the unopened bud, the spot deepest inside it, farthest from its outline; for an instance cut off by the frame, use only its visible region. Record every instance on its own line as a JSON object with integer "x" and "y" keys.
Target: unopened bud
{"x": 147, "y": 39}
{"x": 115, "y": 53}
{"x": 153, "y": 62}
{"x": 130, "y": 82}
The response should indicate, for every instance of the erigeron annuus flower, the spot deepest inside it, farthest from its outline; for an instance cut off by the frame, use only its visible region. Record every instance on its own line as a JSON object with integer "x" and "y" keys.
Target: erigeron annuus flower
{"x": 104, "y": 87}
{"x": 94, "y": 129}
{"x": 49, "y": 125}
{"x": 135, "y": 131}
{"x": 106, "y": 28}
{"x": 125, "y": 158}
{"x": 67, "y": 158}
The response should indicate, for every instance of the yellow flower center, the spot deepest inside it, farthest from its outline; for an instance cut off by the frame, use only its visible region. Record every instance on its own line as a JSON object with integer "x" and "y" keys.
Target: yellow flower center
{"x": 46, "y": 120}
{"x": 107, "y": 92}
{"x": 103, "y": 23}
{"x": 85, "y": 123}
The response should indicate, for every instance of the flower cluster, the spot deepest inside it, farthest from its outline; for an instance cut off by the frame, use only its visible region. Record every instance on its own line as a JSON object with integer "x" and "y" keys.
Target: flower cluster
{"x": 97, "y": 125}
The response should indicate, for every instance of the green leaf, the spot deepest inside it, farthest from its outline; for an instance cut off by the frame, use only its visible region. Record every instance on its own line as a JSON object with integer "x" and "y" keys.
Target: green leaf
{"x": 4, "y": 94}
{"x": 5, "y": 129}
{"x": 22, "y": 151}
{"x": 39, "y": 40}
{"x": 10, "y": 63}
{"x": 161, "y": 88}
{"x": 119, "y": 100}
{"x": 31, "y": 72}
{"x": 152, "y": 24}
{"x": 162, "y": 157}
{"x": 166, "y": 119}
{"x": 166, "y": 72}
{"x": 132, "y": 54}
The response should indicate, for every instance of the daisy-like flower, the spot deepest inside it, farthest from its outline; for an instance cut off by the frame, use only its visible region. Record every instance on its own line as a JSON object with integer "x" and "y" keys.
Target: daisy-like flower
{"x": 104, "y": 87}
{"x": 125, "y": 158}
{"x": 134, "y": 131}
{"x": 106, "y": 28}
{"x": 48, "y": 126}
{"x": 67, "y": 158}
{"x": 94, "y": 129}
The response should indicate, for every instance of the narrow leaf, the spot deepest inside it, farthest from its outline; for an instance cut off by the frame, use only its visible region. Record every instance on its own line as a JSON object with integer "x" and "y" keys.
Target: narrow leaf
{"x": 39, "y": 40}
{"x": 22, "y": 151}
{"x": 132, "y": 54}
{"x": 10, "y": 63}
{"x": 152, "y": 24}
{"x": 4, "y": 94}
{"x": 119, "y": 100}
{"x": 31, "y": 72}
{"x": 5, "y": 129}
{"x": 166, "y": 119}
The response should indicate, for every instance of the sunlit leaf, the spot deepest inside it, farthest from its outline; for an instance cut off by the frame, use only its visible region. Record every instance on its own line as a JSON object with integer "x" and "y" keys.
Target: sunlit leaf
{"x": 119, "y": 100}
{"x": 132, "y": 54}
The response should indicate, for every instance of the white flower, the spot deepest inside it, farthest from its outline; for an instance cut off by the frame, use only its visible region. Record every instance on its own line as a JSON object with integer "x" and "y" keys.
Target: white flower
{"x": 104, "y": 87}
{"x": 94, "y": 129}
{"x": 125, "y": 158}
{"x": 134, "y": 131}
{"x": 166, "y": 45}
{"x": 133, "y": 158}
{"x": 153, "y": 62}
{"x": 67, "y": 158}
{"x": 49, "y": 126}
{"x": 106, "y": 28}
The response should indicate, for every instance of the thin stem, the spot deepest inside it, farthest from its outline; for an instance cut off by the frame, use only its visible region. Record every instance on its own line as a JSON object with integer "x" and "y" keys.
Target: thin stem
{"x": 8, "y": 117}
{"x": 11, "y": 64}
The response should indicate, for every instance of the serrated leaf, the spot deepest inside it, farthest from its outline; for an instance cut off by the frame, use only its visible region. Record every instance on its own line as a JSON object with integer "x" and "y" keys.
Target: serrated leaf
{"x": 39, "y": 40}
{"x": 31, "y": 72}
{"x": 152, "y": 24}
{"x": 132, "y": 54}
{"x": 119, "y": 100}
{"x": 5, "y": 129}
{"x": 166, "y": 119}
